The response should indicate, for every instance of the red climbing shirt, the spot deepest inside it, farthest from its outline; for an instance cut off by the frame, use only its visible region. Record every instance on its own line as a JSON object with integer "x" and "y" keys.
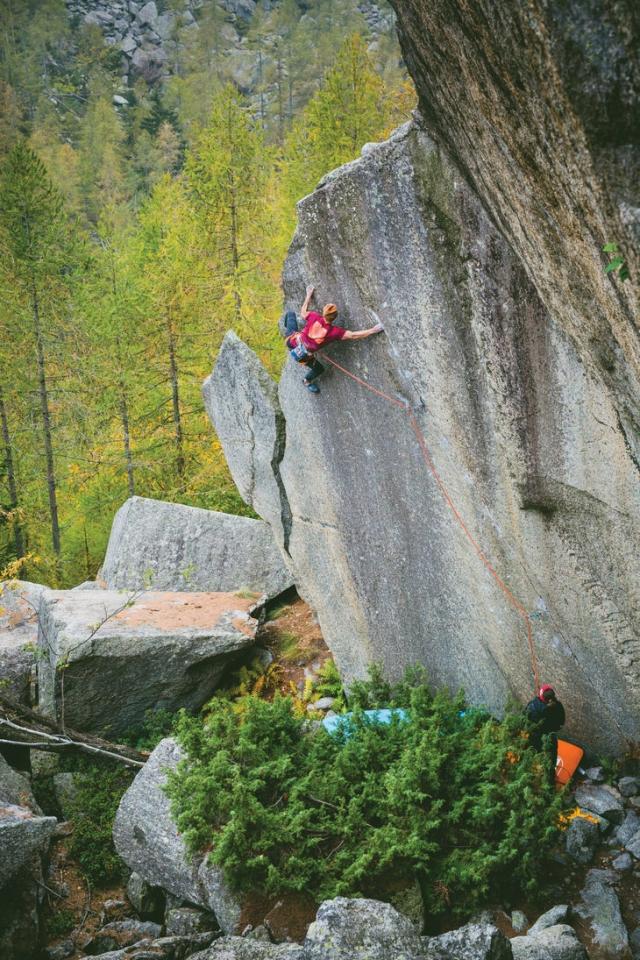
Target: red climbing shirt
{"x": 331, "y": 332}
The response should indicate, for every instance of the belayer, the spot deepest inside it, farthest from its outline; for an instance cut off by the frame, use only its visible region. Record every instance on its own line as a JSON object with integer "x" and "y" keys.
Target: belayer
{"x": 546, "y": 715}
{"x": 318, "y": 331}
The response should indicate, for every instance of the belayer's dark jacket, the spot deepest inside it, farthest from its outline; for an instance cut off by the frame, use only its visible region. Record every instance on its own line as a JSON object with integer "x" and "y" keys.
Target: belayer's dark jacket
{"x": 545, "y": 718}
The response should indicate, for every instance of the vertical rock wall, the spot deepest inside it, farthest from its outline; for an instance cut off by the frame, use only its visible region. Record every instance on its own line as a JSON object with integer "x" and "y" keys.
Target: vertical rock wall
{"x": 522, "y": 427}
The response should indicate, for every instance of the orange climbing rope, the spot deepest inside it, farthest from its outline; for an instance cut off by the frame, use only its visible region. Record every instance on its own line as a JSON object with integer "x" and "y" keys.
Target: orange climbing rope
{"x": 426, "y": 455}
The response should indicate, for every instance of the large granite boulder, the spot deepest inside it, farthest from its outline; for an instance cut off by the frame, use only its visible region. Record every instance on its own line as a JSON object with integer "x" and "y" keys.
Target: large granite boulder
{"x": 168, "y": 546}
{"x": 147, "y": 839}
{"x": 512, "y": 416}
{"x": 107, "y": 656}
{"x": 19, "y": 601}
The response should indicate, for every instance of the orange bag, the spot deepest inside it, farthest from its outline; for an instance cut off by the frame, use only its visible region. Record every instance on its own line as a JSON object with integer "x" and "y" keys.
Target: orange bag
{"x": 569, "y": 757}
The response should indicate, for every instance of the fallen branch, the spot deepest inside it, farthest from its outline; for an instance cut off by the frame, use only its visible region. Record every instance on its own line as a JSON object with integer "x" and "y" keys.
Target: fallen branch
{"x": 29, "y": 729}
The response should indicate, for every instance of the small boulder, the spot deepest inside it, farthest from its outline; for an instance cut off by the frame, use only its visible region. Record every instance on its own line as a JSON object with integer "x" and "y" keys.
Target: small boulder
{"x": 324, "y": 703}
{"x": 15, "y": 788}
{"x": 148, "y": 14}
{"x": 628, "y": 828}
{"x": 629, "y": 786}
{"x": 185, "y": 921}
{"x": 558, "y": 942}
{"x": 475, "y": 941}
{"x": 66, "y": 790}
{"x": 601, "y": 799}
{"x": 361, "y": 930}
{"x": 600, "y": 907}
{"x": 595, "y": 774}
{"x": 119, "y": 934}
{"x": 519, "y": 921}
{"x": 623, "y": 863}
{"x": 582, "y": 839}
{"x": 551, "y": 918}
{"x": 22, "y": 834}
{"x": 147, "y": 901}
{"x": 633, "y": 846}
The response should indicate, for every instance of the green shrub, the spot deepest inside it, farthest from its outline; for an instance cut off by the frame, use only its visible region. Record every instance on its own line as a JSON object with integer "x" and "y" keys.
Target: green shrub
{"x": 458, "y": 802}
{"x": 157, "y": 725}
{"x": 100, "y": 787}
{"x": 59, "y": 922}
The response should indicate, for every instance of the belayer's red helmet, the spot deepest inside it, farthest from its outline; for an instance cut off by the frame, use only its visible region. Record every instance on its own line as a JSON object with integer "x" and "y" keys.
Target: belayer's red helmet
{"x": 546, "y": 692}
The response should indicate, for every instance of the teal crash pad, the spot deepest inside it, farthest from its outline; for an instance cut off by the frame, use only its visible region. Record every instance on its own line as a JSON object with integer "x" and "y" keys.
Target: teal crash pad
{"x": 342, "y": 722}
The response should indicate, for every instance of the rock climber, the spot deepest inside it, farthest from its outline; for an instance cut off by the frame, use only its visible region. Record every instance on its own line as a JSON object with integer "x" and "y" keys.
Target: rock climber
{"x": 319, "y": 330}
{"x": 546, "y": 715}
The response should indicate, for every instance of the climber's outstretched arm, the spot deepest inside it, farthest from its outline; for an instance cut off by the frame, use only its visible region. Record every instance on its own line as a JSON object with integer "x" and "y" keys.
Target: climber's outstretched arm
{"x": 363, "y": 334}
{"x": 304, "y": 309}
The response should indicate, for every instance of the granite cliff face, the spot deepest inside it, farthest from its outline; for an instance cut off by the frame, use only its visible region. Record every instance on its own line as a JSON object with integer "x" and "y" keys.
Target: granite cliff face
{"x": 481, "y": 252}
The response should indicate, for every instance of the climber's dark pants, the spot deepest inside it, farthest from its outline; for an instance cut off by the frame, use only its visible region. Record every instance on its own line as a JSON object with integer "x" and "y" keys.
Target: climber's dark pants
{"x": 290, "y": 322}
{"x": 315, "y": 368}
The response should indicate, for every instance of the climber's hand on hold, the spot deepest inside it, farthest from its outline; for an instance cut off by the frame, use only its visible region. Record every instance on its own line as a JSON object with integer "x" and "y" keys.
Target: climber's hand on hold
{"x": 378, "y": 328}
{"x": 310, "y": 291}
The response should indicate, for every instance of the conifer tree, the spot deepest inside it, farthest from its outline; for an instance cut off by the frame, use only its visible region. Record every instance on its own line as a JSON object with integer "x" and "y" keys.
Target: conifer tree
{"x": 226, "y": 173}
{"x": 33, "y": 247}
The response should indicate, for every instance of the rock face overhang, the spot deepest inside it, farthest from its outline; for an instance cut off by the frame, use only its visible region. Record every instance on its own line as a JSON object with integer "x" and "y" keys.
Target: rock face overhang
{"x": 538, "y": 106}
{"x": 524, "y": 433}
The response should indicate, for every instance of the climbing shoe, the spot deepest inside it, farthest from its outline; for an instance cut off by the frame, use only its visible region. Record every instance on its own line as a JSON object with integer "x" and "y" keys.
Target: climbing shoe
{"x": 313, "y": 388}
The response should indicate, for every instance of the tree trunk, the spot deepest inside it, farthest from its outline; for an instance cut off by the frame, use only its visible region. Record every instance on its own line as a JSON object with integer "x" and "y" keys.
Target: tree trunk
{"x": 175, "y": 397}
{"x": 280, "y": 102}
{"x": 124, "y": 417}
{"x": 18, "y": 538}
{"x": 261, "y": 87}
{"x": 46, "y": 424}
{"x": 235, "y": 256}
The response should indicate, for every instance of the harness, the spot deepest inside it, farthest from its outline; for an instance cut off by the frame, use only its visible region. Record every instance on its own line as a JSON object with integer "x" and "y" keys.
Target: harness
{"x": 298, "y": 350}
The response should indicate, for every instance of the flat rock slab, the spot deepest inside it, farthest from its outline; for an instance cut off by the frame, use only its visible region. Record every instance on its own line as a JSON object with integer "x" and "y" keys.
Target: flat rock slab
{"x": 22, "y": 833}
{"x": 147, "y": 839}
{"x": 169, "y": 546}
{"x": 108, "y": 656}
{"x": 19, "y": 602}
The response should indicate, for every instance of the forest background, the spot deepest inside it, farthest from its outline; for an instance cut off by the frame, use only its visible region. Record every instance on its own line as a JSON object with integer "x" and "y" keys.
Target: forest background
{"x": 138, "y": 223}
